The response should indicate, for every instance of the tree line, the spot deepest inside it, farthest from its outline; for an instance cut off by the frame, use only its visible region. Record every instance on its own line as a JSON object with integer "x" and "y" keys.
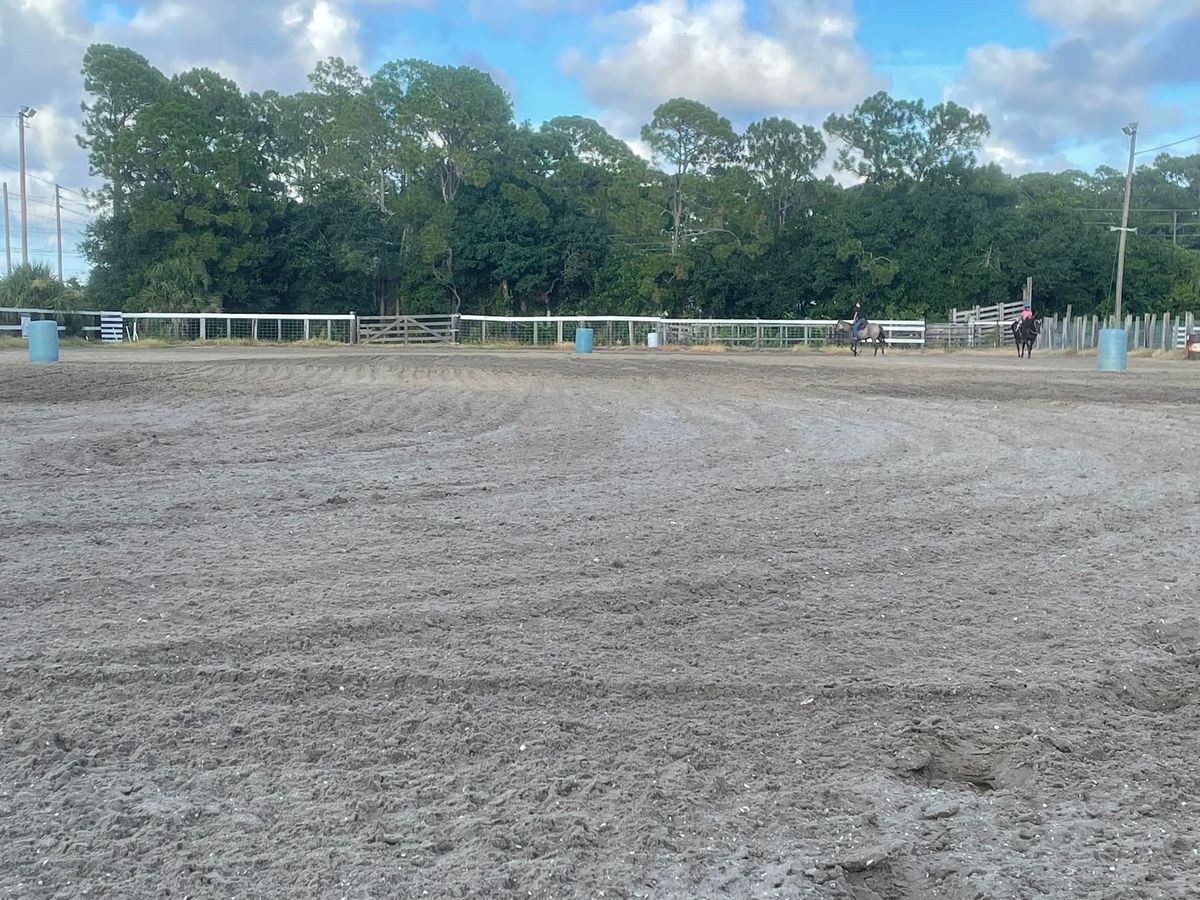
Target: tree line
{"x": 413, "y": 190}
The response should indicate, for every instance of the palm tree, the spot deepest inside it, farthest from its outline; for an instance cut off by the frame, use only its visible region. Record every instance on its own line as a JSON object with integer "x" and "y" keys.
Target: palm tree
{"x": 33, "y": 286}
{"x": 177, "y": 284}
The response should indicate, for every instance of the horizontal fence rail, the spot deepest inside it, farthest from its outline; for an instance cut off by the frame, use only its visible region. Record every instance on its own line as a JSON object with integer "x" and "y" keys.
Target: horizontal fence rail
{"x": 258, "y": 327}
{"x": 1001, "y": 312}
{"x": 634, "y": 331}
{"x": 607, "y": 331}
{"x": 1162, "y": 332}
{"x": 185, "y": 327}
{"x": 781, "y": 333}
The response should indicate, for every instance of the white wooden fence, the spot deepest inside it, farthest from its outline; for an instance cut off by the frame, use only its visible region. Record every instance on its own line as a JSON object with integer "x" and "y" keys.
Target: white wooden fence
{"x": 118, "y": 326}
{"x": 1001, "y": 312}
{"x": 1158, "y": 332}
{"x": 633, "y": 331}
{"x": 269, "y": 327}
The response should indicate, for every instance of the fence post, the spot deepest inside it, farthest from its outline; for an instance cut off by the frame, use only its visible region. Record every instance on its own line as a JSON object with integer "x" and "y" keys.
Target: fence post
{"x": 631, "y": 332}
{"x": 228, "y": 327}
{"x": 306, "y": 328}
{"x": 1165, "y": 345}
{"x": 254, "y": 329}
{"x": 203, "y": 328}
{"x": 535, "y": 334}
{"x": 560, "y": 331}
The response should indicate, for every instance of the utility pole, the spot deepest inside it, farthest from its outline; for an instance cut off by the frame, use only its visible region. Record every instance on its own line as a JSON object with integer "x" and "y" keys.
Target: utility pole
{"x": 7, "y": 234}
{"x": 58, "y": 226}
{"x": 25, "y": 112}
{"x": 1131, "y": 130}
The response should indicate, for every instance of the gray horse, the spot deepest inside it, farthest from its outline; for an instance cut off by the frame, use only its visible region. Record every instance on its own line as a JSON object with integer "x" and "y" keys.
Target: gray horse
{"x": 869, "y": 332}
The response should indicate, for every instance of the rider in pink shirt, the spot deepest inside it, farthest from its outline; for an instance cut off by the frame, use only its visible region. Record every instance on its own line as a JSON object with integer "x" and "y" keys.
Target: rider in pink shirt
{"x": 1026, "y": 313}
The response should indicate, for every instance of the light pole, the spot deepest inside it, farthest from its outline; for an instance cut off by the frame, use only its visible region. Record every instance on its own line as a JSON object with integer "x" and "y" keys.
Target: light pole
{"x": 1131, "y": 130}
{"x": 23, "y": 115}
{"x": 1114, "y": 343}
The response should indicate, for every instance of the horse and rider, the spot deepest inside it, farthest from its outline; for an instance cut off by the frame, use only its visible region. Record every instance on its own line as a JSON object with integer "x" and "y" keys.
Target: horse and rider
{"x": 861, "y": 330}
{"x": 1025, "y": 331}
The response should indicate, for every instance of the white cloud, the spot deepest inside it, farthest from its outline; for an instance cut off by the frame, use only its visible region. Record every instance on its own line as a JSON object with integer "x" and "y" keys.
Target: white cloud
{"x": 1077, "y": 14}
{"x": 261, "y": 44}
{"x": 805, "y": 58}
{"x": 326, "y": 30}
{"x": 1098, "y": 75}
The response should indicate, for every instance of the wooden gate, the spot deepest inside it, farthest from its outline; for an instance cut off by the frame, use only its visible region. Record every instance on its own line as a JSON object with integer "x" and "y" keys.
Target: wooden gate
{"x": 407, "y": 329}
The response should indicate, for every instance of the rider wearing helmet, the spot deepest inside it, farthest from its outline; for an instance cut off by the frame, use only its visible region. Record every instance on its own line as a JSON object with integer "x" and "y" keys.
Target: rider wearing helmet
{"x": 1026, "y": 312}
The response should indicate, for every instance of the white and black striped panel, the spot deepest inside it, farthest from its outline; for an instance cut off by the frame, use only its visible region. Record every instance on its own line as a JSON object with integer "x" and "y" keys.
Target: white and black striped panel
{"x": 111, "y": 327}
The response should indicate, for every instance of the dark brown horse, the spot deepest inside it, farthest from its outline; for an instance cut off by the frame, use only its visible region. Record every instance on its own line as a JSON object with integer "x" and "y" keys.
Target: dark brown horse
{"x": 1025, "y": 334}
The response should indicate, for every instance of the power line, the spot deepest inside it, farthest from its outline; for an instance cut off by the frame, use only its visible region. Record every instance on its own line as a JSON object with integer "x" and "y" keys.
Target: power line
{"x": 12, "y": 168}
{"x": 1165, "y": 146}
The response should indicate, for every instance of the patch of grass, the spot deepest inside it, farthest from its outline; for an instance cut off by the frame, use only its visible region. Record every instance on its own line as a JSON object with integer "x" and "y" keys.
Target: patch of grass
{"x": 821, "y": 348}
{"x": 695, "y": 348}
{"x": 8, "y": 343}
{"x": 1143, "y": 353}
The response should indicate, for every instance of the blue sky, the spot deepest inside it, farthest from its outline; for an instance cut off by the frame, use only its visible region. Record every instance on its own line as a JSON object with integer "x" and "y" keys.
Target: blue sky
{"x": 1056, "y": 78}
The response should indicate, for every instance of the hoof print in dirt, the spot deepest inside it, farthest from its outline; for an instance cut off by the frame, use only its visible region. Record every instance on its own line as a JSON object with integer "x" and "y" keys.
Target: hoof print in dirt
{"x": 868, "y": 873}
{"x": 1151, "y": 687}
{"x": 940, "y": 810}
{"x": 936, "y": 757}
{"x": 1181, "y": 638}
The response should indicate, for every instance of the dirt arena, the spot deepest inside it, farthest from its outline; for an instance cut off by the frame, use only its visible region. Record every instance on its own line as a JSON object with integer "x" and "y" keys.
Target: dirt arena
{"x": 320, "y": 623}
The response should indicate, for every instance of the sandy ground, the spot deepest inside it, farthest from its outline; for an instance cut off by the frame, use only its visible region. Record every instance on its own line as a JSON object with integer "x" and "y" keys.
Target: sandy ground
{"x": 348, "y": 624}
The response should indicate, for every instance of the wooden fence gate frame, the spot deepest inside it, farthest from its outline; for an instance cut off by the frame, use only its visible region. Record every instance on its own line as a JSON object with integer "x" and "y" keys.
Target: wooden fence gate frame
{"x": 407, "y": 329}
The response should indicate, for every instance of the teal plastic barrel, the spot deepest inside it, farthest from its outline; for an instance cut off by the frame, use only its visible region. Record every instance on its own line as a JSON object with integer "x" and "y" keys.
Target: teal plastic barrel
{"x": 43, "y": 341}
{"x": 1112, "y": 350}
{"x": 583, "y": 340}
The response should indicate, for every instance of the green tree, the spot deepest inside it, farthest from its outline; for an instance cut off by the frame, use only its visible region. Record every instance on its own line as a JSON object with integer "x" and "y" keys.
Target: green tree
{"x": 177, "y": 284}
{"x": 688, "y": 139}
{"x": 33, "y": 286}
{"x": 886, "y": 139}
{"x": 121, "y": 84}
{"x": 457, "y": 116}
{"x": 782, "y": 155}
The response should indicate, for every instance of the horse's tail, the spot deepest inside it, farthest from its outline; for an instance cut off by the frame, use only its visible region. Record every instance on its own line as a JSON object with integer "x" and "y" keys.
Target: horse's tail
{"x": 883, "y": 338}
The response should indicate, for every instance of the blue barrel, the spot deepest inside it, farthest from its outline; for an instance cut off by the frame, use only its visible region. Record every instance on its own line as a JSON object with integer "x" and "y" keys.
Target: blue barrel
{"x": 583, "y": 340}
{"x": 1113, "y": 347}
{"x": 43, "y": 341}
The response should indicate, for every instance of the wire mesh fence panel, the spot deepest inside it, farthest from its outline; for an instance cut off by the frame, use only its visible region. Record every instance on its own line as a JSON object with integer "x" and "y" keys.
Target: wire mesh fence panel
{"x": 232, "y": 327}
{"x": 551, "y": 331}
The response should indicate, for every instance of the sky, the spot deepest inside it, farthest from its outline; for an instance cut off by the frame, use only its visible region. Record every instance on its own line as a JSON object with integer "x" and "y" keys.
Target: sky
{"x": 1056, "y": 78}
